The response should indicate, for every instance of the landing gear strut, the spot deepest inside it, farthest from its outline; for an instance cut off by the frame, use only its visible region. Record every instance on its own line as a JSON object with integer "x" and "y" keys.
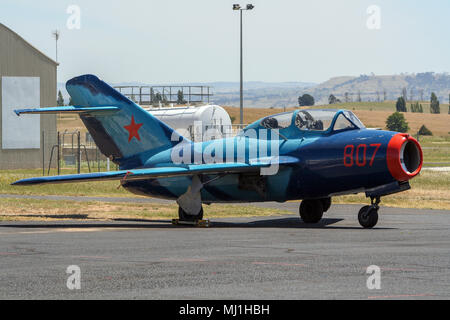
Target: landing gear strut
{"x": 368, "y": 215}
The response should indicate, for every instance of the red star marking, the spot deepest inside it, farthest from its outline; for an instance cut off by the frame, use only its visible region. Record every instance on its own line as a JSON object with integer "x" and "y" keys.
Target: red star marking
{"x": 133, "y": 129}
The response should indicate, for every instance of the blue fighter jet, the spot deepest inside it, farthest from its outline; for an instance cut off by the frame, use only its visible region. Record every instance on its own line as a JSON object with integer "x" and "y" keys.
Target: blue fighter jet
{"x": 309, "y": 155}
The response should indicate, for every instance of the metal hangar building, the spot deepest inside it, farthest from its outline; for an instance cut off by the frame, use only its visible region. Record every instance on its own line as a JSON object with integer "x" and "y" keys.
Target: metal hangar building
{"x": 28, "y": 78}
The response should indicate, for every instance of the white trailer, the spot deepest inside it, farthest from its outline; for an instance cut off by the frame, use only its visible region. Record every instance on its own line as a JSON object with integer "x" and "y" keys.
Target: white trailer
{"x": 200, "y": 123}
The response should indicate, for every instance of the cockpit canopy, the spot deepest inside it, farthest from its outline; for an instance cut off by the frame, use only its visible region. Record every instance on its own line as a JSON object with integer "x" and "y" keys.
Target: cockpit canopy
{"x": 313, "y": 120}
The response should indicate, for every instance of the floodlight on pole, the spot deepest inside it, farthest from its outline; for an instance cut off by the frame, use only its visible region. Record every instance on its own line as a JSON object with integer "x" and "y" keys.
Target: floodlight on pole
{"x": 241, "y": 104}
{"x": 56, "y": 36}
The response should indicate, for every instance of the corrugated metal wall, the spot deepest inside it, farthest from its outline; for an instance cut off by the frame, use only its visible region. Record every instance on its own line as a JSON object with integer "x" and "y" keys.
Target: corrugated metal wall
{"x": 20, "y": 59}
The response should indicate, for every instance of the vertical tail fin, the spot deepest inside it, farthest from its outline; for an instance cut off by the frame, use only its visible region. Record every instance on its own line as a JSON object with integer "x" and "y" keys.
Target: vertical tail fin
{"x": 128, "y": 135}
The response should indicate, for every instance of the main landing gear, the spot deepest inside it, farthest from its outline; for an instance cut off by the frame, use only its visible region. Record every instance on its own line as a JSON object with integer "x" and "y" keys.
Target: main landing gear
{"x": 368, "y": 215}
{"x": 311, "y": 210}
{"x": 192, "y": 220}
{"x": 184, "y": 216}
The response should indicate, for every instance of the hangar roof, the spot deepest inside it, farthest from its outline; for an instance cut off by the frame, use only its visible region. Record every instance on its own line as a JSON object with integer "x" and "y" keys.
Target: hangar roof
{"x": 2, "y": 26}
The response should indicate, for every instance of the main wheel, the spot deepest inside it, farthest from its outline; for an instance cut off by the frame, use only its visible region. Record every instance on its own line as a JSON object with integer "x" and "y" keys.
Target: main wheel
{"x": 311, "y": 211}
{"x": 368, "y": 217}
{"x": 183, "y": 216}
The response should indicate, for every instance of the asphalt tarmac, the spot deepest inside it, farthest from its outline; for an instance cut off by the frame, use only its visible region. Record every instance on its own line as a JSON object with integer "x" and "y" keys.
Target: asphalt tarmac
{"x": 236, "y": 258}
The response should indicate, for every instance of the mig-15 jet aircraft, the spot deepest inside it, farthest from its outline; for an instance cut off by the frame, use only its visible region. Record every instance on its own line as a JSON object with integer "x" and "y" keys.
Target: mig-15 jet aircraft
{"x": 309, "y": 155}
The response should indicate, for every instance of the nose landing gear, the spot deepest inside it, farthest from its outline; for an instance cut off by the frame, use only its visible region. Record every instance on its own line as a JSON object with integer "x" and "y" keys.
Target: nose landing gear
{"x": 368, "y": 215}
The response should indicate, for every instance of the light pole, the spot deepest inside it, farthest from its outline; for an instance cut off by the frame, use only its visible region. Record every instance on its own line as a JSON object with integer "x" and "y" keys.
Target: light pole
{"x": 56, "y": 36}
{"x": 241, "y": 105}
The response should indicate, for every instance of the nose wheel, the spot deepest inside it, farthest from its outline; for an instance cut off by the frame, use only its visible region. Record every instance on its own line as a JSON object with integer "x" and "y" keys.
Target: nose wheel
{"x": 368, "y": 215}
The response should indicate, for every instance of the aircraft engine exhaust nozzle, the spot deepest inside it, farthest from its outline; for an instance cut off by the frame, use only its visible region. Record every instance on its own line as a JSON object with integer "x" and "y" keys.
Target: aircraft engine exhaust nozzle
{"x": 404, "y": 157}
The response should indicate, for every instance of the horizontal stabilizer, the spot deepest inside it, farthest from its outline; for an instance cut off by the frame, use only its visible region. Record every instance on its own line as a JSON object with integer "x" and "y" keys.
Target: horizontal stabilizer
{"x": 66, "y": 109}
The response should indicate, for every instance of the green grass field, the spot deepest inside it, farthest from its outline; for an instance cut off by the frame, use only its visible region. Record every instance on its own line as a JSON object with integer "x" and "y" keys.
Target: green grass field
{"x": 32, "y": 209}
{"x": 107, "y": 188}
{"x": 430, "y": 190}
{"x": 436, "y": 151}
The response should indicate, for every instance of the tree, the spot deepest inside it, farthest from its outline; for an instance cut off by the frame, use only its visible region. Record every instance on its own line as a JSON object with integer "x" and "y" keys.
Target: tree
{"x": 332, "y": 99}
{"x": 180, "y": 97}
{"x": 60, "y": 100}
{"x": 346, "y": 97}
{"x": 306, "y": 100}
{"x": 400, "y": 106}
{"x": 416, "y": 107}
{"x": 70, "y": 101}
{"x": 164, "y": 99}
{"x": 157, "y": 98}
{"x": 404, "y": 94}
{"x": 397, "y": 122}
{"x": 424, "y": 131}
{"x": 152, "y": 96}
{"x": 359, "y": 96}
{"x": 434, "y": 104}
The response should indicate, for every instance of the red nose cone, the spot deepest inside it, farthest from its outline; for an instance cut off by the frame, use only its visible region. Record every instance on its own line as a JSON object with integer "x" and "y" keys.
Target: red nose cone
{"x": 404, "y": 157}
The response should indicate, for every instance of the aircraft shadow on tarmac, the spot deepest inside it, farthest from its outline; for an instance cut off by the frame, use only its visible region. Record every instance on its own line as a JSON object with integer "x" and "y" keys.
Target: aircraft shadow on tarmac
{"x": 282, "y": 222}
{"x": 52, "y": 216}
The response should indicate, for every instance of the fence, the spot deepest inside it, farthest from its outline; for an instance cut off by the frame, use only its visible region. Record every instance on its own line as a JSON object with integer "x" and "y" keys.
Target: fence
{"x": 153, "y": 95}
{"x": 76, "y": 152}
{"x": 211, "y": 132}
{"x": 73, "y": 152}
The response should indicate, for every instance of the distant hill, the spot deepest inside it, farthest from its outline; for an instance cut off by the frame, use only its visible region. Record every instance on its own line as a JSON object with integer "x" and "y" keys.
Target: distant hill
{"x": 389, "y": 87}
{"x": 285, "y": 94}
{"x": 368, "y": 87}
{"x": 259, "y": 93}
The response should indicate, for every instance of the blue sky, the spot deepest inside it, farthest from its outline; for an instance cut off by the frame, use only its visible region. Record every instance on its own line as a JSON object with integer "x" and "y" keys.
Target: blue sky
{"x": 176, "y": 41}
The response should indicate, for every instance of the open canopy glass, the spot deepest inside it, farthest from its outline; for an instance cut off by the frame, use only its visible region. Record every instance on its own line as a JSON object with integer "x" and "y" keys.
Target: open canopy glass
{"x": 313, "y": 120}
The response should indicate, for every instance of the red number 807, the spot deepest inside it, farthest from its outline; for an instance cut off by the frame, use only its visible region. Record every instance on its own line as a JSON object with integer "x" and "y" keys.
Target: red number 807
{"x": 361, "y": 151}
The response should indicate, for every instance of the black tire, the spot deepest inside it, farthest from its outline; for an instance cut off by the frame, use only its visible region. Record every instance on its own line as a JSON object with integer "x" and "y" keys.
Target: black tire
{"x": 183, "y": 216}
{"x": 326, "y": 203}
{"x": 311, "y": 211}
{"x": 368, "y": 217}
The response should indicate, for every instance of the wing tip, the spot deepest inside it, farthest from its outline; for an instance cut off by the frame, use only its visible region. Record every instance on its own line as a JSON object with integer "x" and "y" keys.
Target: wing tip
{"x": 23, "y": 182}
